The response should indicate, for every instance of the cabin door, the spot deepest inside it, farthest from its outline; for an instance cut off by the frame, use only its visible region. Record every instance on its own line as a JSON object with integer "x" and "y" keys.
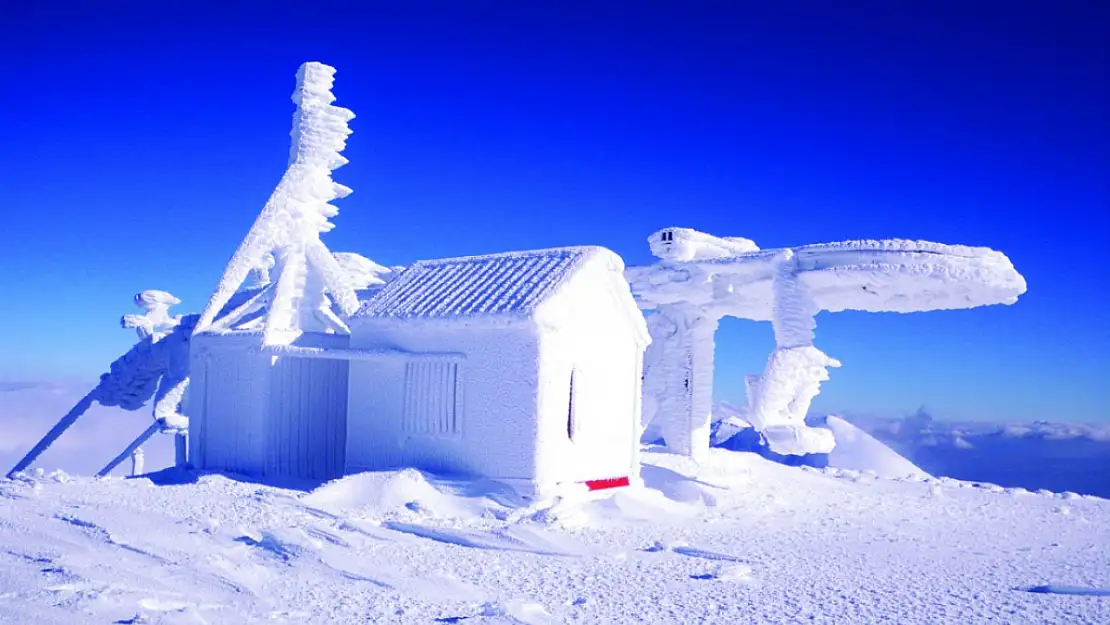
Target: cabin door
{"x": 308, "y": 429}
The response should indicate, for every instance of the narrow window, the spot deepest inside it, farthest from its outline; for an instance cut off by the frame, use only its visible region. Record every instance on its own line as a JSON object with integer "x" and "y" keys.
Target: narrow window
{"x": 570, "y": 409}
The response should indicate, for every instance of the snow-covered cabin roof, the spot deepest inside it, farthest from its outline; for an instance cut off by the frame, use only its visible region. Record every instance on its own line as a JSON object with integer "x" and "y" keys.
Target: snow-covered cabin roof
{"x": 511, "y": 284}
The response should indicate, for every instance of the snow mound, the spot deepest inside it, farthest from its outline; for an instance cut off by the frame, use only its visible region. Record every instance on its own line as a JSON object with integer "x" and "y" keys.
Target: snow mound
{"x": 854, "y": 448}
{"x": 408, "y": 492}
{"x": 858, "y": 450}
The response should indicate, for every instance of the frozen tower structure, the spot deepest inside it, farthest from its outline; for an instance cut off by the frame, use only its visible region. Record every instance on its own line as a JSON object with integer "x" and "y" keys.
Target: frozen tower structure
{"x": 700, "y": 278}
{"x": 300, "y": 281}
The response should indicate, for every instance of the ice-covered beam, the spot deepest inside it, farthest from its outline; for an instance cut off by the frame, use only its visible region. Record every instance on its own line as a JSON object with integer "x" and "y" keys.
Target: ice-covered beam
{"x": 155, "y": 367}
{"x": 781, "y": 396}
{"x": 59, "y": 428}
{"x": 700, "y": 276}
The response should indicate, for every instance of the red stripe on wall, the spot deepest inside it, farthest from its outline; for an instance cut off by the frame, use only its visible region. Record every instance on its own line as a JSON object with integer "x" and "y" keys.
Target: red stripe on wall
{"x": 613, "y": 482}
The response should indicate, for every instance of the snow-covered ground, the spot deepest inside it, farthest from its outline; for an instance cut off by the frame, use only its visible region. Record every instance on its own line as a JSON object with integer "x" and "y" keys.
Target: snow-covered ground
{"x": 738, "y": 539}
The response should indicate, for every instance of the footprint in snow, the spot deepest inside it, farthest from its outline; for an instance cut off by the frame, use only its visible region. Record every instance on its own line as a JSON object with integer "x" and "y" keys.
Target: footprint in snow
{"x": 327, "y": 536}
{"x": 740, "y": 573}
{"x": 1052, "y": 589}
{"x": 271, "y": 545}
{"x": 692, "y": 552}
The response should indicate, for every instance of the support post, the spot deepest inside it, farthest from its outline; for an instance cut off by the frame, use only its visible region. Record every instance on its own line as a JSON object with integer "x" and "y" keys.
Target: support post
{"x": 794, "y": 371}
{"x": 680, "y": 381}
{"x": 137, "y": 462}
{"x": 60, "y": 427}
{"x": 142, "y": 438}
{"x": 180, "y": 448}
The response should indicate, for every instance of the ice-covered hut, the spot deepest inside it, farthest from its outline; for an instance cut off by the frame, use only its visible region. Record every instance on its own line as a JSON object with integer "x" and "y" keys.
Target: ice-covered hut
{"x": 524, "y": 367}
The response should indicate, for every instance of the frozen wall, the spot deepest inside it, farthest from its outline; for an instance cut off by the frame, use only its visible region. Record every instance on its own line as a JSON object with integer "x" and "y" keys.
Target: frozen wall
{"x": 589, "y": 429}
{"x": 494, "y": 430}
{"x": 522, "y": 324}
{"x": 228, "y": 406}
{"x": 263, "y": 415}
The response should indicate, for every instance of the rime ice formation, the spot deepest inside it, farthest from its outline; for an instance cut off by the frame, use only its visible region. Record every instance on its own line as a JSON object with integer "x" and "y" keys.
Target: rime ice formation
{"x": 364, "y": 274}
{"x": 701, "y": 278}
{"x": 298, "y": 279}
{"x": 156, "y": 321}
{"x": 156, "y": 367}
{"x": 684, "y": 244}
{"x": 281, "y": 282}
{"x": 524, "y": 367}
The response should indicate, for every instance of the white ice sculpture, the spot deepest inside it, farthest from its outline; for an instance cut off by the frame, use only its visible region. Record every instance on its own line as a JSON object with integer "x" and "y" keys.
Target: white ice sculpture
{"x": 701, "y": 278}
{"x": 299, "y": 280}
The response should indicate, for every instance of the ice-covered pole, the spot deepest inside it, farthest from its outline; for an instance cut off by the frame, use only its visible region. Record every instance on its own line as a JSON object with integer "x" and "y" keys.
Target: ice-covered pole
{"x": 679, "y": 382}
{"x": 137, "y": 462}
{"x": 59, "y": 428}
{"x": 130, "y": 449}
{"x": 288, "y": 229}
{"x": 794, "y": 313}
{"x": 795, "y": 370}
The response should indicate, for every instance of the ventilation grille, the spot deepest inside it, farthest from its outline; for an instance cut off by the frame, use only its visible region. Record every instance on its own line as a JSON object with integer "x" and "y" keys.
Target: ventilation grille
{"x": 432, "y": 399}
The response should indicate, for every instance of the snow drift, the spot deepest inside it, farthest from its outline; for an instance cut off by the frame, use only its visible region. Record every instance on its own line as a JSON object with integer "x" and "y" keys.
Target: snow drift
{"x": 734, "y": 539}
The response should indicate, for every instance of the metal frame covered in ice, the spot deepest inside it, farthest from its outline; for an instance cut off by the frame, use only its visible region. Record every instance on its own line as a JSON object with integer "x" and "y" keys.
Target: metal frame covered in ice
{"x": 300, "y": 278}
{"x": 701, "y": 278}
{"x": 157, "y": 367}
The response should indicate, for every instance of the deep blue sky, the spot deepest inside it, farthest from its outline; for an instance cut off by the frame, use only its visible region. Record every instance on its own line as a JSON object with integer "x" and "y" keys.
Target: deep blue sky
{"x": 137, "y": 145}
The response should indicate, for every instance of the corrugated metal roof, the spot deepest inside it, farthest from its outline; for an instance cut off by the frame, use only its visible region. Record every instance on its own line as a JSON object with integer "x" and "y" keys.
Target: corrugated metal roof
{"x": 513, "y": 283}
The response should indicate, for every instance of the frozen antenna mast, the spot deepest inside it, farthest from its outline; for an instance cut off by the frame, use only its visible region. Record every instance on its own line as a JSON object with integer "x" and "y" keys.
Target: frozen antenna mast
{"x": 286, "y": 235}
